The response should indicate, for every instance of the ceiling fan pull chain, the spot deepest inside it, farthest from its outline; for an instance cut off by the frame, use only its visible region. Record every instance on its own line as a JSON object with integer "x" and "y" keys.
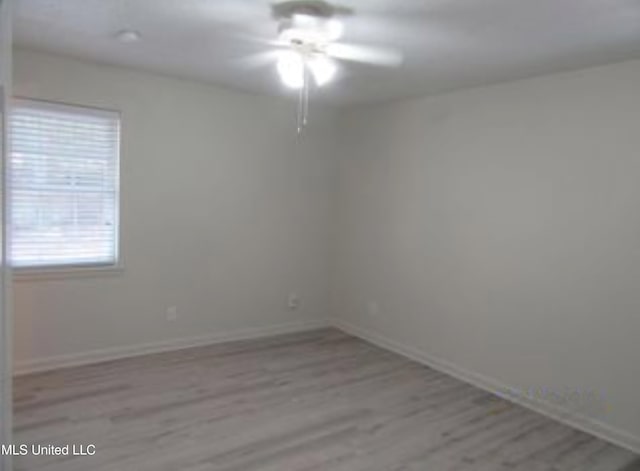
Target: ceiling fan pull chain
{"x": 303, "y": 100}
{"x": 305, "y": 116}
{"x": 300, "y": 110}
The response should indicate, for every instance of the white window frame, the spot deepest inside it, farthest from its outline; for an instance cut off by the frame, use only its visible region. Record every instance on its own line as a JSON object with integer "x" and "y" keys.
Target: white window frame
{"x": 73, "y": 270}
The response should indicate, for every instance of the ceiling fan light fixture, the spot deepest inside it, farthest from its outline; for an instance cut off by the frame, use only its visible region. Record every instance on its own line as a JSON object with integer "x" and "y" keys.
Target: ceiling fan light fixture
{"x": 323, "y": 69}
{"x": 334, "y": 29}
{"x": 309, "y": 30}
{"x": 290, "y": 68}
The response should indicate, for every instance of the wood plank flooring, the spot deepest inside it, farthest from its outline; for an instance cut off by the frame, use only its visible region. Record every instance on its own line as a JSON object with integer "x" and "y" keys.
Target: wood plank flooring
{"x": 317, "y": 401}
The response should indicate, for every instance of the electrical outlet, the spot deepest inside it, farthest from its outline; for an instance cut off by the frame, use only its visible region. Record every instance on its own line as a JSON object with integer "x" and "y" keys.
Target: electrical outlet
{"x": 172, "y": 313}
{"x": 373, "y": 309}
{"x": 293, "y": 301}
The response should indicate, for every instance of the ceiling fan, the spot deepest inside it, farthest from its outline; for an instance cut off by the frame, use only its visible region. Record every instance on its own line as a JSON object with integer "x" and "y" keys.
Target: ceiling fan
{"x": 306, "y": 50}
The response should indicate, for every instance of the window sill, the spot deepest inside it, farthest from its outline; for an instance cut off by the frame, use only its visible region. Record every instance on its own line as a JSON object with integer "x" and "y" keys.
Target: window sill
{"x": 65, "y": 272}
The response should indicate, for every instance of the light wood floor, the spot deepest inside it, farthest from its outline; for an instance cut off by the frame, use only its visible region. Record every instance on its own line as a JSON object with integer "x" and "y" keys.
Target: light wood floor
{"x": 319, "y": 401}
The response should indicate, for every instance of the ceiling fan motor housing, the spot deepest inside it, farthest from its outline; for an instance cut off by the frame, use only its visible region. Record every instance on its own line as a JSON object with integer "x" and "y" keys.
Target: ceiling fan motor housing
{"x": 308, "y": 25}
{"x": 316, "y": 8}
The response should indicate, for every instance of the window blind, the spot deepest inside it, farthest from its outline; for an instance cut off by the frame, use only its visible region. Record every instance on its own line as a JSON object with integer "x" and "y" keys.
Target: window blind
{"x": 63, "y": 185}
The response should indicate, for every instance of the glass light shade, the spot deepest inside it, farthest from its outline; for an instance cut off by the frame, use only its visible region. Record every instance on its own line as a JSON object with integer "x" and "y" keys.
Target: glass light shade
{"x": 290, "y": 67}
{"x": 323, "y": 70}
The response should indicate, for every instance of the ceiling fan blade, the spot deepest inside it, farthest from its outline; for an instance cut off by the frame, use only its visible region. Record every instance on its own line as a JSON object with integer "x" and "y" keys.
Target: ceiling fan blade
{"x": 366, "y": 54}
{"x": 255, "y": 39}
{"x": 259, "y": 60}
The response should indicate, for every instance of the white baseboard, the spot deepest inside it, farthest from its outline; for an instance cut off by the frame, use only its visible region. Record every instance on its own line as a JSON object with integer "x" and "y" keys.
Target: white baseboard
{"x": 586, "y": 424}
{"x": 97, "y": 356}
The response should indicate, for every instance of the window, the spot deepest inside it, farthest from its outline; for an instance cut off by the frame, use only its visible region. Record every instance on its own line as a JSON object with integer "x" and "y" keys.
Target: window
{"x": 63, "y": 185}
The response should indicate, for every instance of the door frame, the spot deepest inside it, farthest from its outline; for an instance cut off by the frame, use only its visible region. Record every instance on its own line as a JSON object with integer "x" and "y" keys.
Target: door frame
{"x": 6, "y": 324}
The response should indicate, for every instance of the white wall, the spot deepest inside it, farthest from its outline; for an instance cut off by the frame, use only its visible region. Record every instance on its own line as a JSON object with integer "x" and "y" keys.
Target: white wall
{"x": 498, "y": 231}
{"x": 225, "y": 210}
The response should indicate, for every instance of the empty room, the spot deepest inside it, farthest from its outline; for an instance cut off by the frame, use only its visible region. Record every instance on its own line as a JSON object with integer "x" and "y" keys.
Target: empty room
{"x": 307, "y": 235}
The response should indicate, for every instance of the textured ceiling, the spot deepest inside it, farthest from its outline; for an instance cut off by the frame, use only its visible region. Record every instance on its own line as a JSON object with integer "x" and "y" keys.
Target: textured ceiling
{"x": 448, "y": 44}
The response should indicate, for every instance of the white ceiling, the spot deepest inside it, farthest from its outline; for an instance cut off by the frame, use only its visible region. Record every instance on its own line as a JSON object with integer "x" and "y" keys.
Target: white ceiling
{"x": 448, "y": 44}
